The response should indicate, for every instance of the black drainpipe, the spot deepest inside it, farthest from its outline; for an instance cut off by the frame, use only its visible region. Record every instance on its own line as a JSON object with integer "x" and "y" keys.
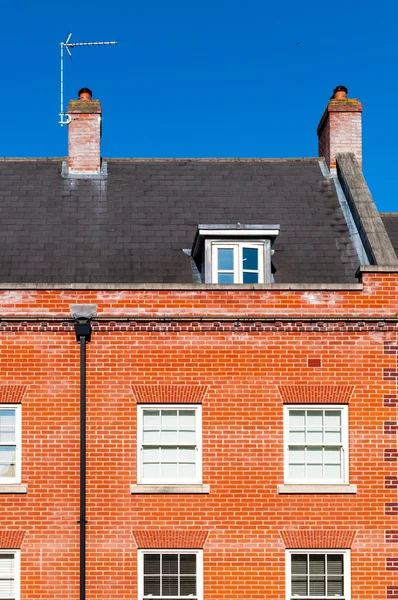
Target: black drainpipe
{"x": 83, "y": 335}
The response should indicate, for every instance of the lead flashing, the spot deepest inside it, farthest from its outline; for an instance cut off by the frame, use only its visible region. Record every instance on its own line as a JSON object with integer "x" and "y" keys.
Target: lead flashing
{"x": 66, "y": 174}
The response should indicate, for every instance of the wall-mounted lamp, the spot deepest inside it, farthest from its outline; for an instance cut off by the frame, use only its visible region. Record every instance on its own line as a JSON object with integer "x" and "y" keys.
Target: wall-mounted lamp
{"x": 82, "y": 314}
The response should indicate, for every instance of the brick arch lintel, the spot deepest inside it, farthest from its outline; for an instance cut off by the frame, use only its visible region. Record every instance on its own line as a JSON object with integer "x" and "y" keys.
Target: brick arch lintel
{"x": 169, "y": 393}
{"x": 11, "y": 540}
{"x": 316, "y": 394}
{"x": 11, "y": 393}
{"x": 167, "y": 538}
{"x": 317, "y": 538}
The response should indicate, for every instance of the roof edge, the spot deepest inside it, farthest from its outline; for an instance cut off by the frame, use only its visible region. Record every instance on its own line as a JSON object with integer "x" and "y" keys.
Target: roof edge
{"x": 169, "y": 159}
{"x": 200, "y": 287}
{"x": 367, "y": 218}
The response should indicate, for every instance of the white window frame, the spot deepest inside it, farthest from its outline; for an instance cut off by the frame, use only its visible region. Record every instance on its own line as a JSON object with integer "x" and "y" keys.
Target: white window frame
{"x": 344, "y": 445}
{"x": 197, "y": 408}
{"x": 199, "y": 571}
{"x": 346, "y": 572}
{"x": 264, "y": 259}
{"x": 237, "y": 248}
{"x": 18, "y": 439}
{"x": 17, "y": 571}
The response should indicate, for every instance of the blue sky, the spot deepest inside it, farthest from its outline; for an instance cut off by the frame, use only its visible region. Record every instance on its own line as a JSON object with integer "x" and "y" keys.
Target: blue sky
{"x": 216, "y": 78}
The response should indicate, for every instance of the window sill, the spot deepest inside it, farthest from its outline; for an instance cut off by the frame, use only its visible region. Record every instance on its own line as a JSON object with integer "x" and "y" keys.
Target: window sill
{"x": 317, "y": 488}
{"x": 180, "y": 488}
{"x": 13, "y": 488}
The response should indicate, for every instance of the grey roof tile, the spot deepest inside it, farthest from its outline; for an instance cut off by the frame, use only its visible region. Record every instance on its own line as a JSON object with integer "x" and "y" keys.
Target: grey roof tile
{"x": 132, "y": 227}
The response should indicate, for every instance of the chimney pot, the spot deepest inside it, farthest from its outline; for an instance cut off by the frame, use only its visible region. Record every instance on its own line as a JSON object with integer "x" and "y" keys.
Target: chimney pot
{"x": 340, "y": 92}
{"x": 85, "y": 94}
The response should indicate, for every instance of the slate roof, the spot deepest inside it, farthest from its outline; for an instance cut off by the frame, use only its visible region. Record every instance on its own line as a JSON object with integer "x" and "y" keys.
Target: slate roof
{"x": 390, "y": 221}
{"x": 132, "y": 226}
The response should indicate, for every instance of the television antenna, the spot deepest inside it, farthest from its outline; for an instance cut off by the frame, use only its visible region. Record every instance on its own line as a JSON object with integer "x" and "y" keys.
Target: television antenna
{"x": 68, "y": 45}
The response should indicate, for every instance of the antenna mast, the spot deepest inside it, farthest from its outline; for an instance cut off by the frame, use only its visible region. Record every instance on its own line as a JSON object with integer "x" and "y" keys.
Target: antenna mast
{"x": 68, "y": 45}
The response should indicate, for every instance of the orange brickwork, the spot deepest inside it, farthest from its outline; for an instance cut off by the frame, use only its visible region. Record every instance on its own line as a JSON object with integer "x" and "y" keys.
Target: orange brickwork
{"x": 233, "y": 352}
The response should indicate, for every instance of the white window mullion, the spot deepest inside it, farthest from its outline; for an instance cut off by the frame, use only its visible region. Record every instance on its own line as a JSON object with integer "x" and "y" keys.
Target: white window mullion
{"x": 320, "y": 434}
{"x": 197, "y": 575}
{"x": 330, "y": 579}
{"x": 182, "y": 445}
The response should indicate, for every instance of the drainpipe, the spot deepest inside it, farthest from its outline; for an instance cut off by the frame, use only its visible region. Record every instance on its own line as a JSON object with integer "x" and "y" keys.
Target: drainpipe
{"x": 82, "y": 315}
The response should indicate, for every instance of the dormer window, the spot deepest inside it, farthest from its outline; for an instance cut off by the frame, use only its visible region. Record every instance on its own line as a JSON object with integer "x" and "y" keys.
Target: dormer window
{"x": 240, "y": 262}
{"x": 234, "y": 254}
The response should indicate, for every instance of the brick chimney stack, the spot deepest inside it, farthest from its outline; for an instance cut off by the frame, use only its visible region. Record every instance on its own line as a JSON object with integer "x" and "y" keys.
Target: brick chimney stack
{"x": 340, "y": 127}
{"x": 84, "y": 135}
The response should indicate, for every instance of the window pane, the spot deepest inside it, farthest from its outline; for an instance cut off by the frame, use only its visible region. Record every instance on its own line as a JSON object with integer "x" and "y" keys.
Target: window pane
{"x": 187, "y": 437}
{"x": 225, "y": 259}
{"x": 335, "y": 587}
{"x": 7, "y": 461}
{"x": 169, "y": 586}
{"x": 299, "y": 586}
{"x": 335, "y": 564}
{"x": 169, "y": 471}
{"x": 297, "y": 437}
{"x": 169, "y": 564}
{"x": 151, "y": 586}
{"x": 225, "y": 278}
{"x": 296, "y": 419}
{"x": 314, "y": 472}
{"x": 333, "y": 419}
{"x": 187, "y": 455}
{"x": 317, "y": 564}
{"x": 314, "y": 419}
{"x": 315, "y": 456}
{"x": 250, "y": 259}
{"x": 296, "y": 472}
{"x": 151, "y": 437}
{"x": 151, "y": 455}
{"x": 333, "y": 472}
{"x": 314, "y": 437}
{"x": 332, "y": 437}
{"x": 188, "y": 564}
{"x": 169, "y": 455}
{"x": 7, "y": 574}
{"x": 7, "y": 425}
{"x": 187, "y": 471}
{"x": 250, "y": 277}
{"x": 169, "y": 437}
{"x": 151, "y": 426}
{"x": 299, "y": 564}
{"x": 169, "y": 419}
{"x": 188, "y": 586}
{"x": 317, "y": 586}
{"x": 151, "y": 564}
{"x": 151, "y": 471}
{"x": 7, "y": 589}
{"x": 332, "y": 456}
{"x": 151, "y": 418}
{"x": 296, "y": 455}
{"x": 187, "y": 419}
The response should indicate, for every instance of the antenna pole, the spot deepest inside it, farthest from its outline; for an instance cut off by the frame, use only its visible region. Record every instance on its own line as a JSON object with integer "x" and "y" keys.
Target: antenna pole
{"x": 62, "y": 85}
{"x": 69, "y": 45}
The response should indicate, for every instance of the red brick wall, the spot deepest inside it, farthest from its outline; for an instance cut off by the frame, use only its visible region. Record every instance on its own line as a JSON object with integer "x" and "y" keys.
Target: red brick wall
{"x": 238, "y": 368}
